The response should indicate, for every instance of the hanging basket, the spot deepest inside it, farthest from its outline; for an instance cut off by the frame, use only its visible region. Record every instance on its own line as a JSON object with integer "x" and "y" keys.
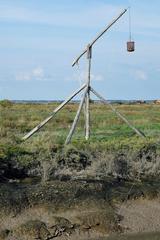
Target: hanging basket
{"x": 130, "y": 46}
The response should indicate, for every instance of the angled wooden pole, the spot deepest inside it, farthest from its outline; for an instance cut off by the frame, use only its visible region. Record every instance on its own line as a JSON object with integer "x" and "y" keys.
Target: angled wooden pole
{"x": 28, "y": 135}
{"x": 141, "y": 134}
{"x": 100, "y": 35}
{"x": 72, "y": 130}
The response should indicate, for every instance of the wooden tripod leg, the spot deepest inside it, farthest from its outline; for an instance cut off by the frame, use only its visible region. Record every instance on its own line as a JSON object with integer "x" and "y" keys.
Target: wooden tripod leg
{"x": 53, "y": 114}
{"x": 69, "y": 137}
{"x": 141, "y": 134}
{"x": 87, "y": 135}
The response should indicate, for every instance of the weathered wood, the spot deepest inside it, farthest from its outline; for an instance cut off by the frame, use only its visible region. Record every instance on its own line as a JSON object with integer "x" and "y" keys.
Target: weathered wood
{"x": 86, "y": 96}
{"x": 69, "y": 137}
{"x": 141, "y": 134}
{"x": 100, "y": 35}
{"x": 87, "y": 118}
{"x": 38, "y": 127}
{"x": 87, "y": 127}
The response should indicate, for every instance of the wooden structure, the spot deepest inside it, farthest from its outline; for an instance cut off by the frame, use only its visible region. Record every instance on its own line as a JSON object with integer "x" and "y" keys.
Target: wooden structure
{"x": 85, "y": 101}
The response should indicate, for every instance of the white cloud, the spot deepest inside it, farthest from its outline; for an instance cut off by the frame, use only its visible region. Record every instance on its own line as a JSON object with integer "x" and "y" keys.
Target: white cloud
{"x": 141, "y": 74}
{"x": 23, "y": 76}
{"x": 36, "y": 74}
{"x": 81, "y": 77}
{"x": 97, "y": 78}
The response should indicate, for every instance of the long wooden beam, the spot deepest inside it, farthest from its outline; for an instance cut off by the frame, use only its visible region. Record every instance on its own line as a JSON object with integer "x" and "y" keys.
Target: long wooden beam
{"x": 141, "y": 134}
{"x": 72, "y": 130}
{"x": 100, "y": 35}
{"x": 28, "y": 135}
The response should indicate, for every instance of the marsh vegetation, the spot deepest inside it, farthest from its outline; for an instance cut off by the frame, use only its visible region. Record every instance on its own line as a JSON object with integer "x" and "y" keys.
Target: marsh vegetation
{"x": 113, "y": 150}
{"x": 50, "y": 190}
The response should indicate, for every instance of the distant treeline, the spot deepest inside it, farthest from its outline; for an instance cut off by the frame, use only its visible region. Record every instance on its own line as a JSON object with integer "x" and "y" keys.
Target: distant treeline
{"x": 77, "y": 101}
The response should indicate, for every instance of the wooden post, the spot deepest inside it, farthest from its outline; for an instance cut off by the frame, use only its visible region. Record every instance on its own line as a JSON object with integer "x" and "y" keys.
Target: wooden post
{"x": 28, "y": 135}
{"x": 87, "y": 127}
{"x": 69, "y": 137}
{"x": 141, "y": 134}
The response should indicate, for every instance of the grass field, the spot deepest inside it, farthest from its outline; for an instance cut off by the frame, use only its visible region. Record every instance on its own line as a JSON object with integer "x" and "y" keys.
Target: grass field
{"x": 18, "y": 119}
{"x": 108, "y": 133}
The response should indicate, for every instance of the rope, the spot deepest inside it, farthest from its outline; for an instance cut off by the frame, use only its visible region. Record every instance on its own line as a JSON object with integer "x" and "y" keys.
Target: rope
{"x": 130, "y": 34}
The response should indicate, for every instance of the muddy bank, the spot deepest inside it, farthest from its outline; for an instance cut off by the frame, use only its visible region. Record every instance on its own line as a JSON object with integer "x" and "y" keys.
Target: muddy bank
{"x": 56, "y": 210}
{"x": 75, "y": 209}
{"x": 142, "y": 211}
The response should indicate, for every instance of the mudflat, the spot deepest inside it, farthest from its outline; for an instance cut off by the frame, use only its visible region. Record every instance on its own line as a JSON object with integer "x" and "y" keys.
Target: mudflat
{"x": 77, "y": 210}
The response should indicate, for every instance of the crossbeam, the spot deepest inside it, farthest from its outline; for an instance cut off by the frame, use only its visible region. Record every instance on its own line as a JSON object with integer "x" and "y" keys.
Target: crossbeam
{"x": 99, "y": 36}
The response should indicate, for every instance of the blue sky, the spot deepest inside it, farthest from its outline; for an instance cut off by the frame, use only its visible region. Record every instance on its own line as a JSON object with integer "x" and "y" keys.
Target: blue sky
{"x": 39, "y": 40}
